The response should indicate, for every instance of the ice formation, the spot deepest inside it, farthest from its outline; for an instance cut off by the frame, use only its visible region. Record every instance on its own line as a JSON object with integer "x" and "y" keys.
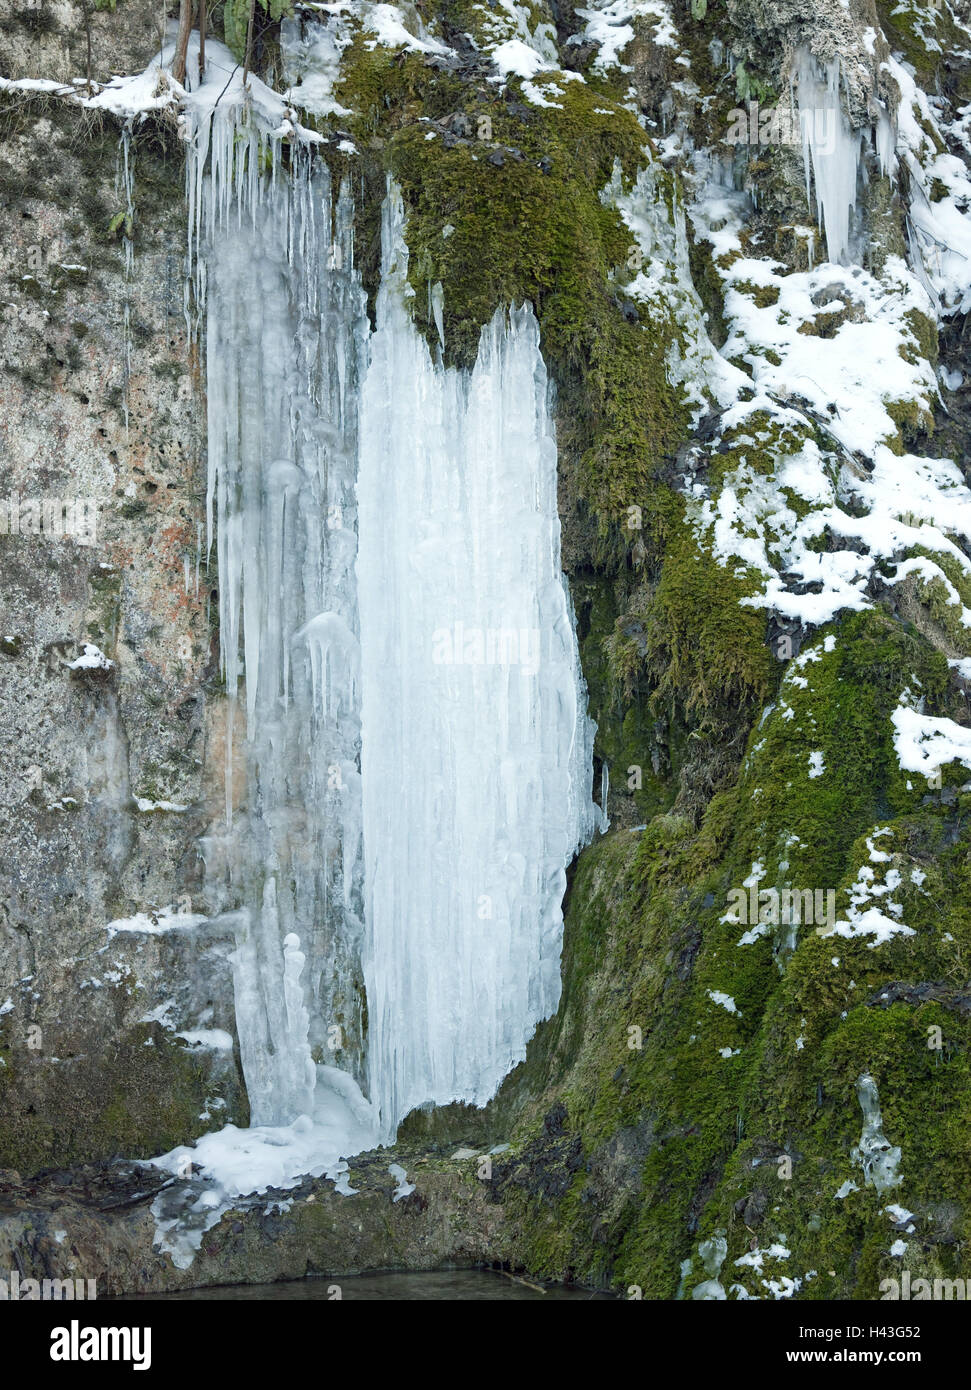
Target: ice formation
{"x": 401, "y": 666}
{"x": 831, "y": 149}
{"x": 476, "y": 747}
{"x": 285, "y": 342}
{"x": 879, "y": 1159}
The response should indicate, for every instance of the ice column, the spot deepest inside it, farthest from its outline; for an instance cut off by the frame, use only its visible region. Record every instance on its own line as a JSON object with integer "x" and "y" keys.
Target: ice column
{"x": 285, "y": 345}
{"x": 476, "y": 745}
{"x": 830, "y": 147}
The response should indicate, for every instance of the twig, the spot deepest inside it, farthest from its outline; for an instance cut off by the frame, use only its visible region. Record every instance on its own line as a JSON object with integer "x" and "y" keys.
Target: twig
{"x": 249, "y": 40}
{"x": 182, "y": 41}
{"x": 525, "y": 1282}
{"x": 87, "y": 30}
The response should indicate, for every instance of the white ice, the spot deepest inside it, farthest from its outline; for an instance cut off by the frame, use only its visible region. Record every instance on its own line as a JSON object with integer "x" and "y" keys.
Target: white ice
{"x": 831, "y": 148}
{"x": 476, "y": 746}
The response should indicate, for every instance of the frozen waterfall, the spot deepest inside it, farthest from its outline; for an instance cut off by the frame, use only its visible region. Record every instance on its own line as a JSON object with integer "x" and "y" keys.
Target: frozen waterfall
{"x": 285, "y": 347}
{"x": 476, "y": 746}
{"x": 408, "y": 757}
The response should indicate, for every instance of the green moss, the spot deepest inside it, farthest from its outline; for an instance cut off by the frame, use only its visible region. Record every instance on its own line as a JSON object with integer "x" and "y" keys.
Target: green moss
{"x": 639, "y": 748}
{"x": 764, "y": 296}
{"x": 512, "y": 212}
{"x": 925, "y": 336}
{"x": 684, "y": 1126}
{"x": 142, "y": 1095}
{"x": 913, "y": 420}
{"x": 924, "y": 33}
{"x": 236, "y": 20}
{"x": 706, "y": 651}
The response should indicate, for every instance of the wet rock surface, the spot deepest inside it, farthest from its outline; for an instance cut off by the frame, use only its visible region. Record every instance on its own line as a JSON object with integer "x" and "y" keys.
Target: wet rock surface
{"x": 96, "y": 1221}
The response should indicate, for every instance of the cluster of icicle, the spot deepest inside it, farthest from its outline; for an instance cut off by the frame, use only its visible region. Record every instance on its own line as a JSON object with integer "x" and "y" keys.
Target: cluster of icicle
{"x": 832, "y": 150}
{"x": 285, "y": 352}
{"x": 415, "y": 771}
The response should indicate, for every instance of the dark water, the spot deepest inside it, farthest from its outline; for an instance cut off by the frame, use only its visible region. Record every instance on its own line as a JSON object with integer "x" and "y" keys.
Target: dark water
{"x": 463, "y": 1285}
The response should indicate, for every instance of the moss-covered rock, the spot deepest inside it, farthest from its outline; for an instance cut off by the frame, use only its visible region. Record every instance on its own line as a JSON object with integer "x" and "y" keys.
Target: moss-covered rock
{"x": 700, "y": 1081}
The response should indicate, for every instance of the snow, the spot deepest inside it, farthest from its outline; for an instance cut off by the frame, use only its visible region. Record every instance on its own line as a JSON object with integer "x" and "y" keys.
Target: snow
{"x": 925, "y": 744}
{"x": 517, "y": 45}
{"x": 754, "y": 1258}
{"x": 725, "y": 1000}
{"x": 35, "y": 84}
{"x": 900, "y": 1215}
{"x": 91, "y": 659}
{"x": 151, "y": 90}
{"x": 387, "y": 24}
{"x": 820, "y": 409}
{"x": 311, "y": 54}
{"x": 517, "y": 58}
{"x": 155, "y": 923}
{"x": 899, "y": 502}
{"x": 161, "y": 1014}
{"x": 664, "y": 286}
{"x": 611, "y": 27}
{"x": 210, "y": 1039}
{"x": 404, "y": 1188}
{"x": 755, "y": 876}
{"x": 868, "y": 896}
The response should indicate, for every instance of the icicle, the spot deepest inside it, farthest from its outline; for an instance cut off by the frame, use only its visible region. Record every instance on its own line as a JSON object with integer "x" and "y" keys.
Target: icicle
{"x": 831, "y": 149}
{"x": 439, "y": 735}
{"x": 885, "y": 139}
{"x": 436, "y": 296}
{"x": 286, "y": 340}
{"x": 125, "y": 187}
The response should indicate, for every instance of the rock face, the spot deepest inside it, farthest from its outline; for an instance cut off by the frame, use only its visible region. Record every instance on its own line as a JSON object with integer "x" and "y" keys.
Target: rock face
{"x": 58, "y": 39}
{"x": 105, "y": 789}
{"x": 97, "y": 1223}
{"x": 764, "y": 971}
